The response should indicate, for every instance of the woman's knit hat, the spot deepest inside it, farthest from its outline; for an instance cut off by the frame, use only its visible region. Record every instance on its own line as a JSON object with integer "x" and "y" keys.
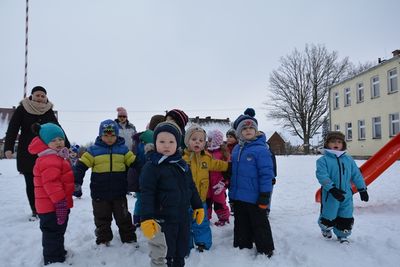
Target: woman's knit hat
{"x": 191, "y": 130}
{"x": 108, "y": 127}
{"x": 245, "y": 120}
{"x": 122, "y": 112}
{"x": 179, "y": 117}
{"x": 335, "y": 135}
{"x": 48, "y": 131}
{"x": 216, "y": 139}
{"x": 170, "y": 127}
{"x": 38, "y": 88}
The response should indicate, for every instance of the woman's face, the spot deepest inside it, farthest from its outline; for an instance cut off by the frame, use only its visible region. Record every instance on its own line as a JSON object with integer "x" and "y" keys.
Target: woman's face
{"x": 39, "y": 96}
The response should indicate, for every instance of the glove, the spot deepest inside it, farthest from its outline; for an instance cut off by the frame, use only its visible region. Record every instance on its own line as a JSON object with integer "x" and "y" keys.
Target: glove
{"x": 61, "y": 211}
{"x": 263, "y": 200}
{"x": 337, "y": 193}
{"x": 77, "y": 190}
{"x": 363, "y": 194}
{"x": 198, "y": 215}
{"x": 150, "y": 228}
{"x": 218, "y": 188}
{"x": 273, "y": 181}
{"x": 262, "y": 206}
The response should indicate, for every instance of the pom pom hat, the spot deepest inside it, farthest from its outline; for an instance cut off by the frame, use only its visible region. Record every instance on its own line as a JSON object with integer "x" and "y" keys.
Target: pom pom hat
{"x": 48, "y": 132}
{"x": 245, "y": 120}
{"x": 108, "y": 127}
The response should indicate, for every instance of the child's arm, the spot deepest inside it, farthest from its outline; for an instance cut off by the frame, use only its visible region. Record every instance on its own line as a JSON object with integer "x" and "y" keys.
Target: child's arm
{"x": 218, "y": 165}
{"x": 148, "y": 186}
{"x": 84, "y": 163}
{"x": 323, "y": 175}
{"x": 195, "y": 200}
{"x": 265, "y": 172}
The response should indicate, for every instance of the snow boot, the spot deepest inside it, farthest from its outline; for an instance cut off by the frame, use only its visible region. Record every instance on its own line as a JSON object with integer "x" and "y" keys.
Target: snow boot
{"x": 343, "y": 240}
{"x": 201, "y": 247}
{"x": 327, "y": 234}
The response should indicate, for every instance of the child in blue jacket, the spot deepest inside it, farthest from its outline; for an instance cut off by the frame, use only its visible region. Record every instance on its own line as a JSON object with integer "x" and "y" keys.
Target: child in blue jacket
{"x": 251, "y": 185}
{"x": 336, "y": 171}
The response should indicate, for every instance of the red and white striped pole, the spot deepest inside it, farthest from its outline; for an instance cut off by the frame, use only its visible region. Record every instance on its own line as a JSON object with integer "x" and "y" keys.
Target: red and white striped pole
{"x": 26, "y": 48}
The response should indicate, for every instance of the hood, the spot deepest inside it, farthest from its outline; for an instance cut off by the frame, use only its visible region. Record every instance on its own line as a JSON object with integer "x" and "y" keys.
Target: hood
{"x": 37, "y": 146}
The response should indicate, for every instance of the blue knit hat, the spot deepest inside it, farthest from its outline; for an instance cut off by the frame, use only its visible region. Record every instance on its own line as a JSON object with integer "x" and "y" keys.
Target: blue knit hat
{"x": 49, "y": 131}
{"x": 246, "y": 120}
{"x": 108, "y": 127}
{"x": 170, "y": 127}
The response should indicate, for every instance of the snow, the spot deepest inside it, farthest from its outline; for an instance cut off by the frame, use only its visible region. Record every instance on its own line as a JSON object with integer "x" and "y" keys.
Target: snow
{"x": 375, "y": 240}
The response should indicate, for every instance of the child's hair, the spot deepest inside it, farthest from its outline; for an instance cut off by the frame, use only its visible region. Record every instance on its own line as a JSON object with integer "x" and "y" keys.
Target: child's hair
{"x": 334, "y": 135}
{"x": 48, "y": 131}
{"x": 191, "y": 130}
{"x": 108, "y": 127}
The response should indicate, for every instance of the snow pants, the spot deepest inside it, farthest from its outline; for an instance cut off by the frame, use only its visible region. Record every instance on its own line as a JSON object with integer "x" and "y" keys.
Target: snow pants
{"x": 200, "y": 234}
{"x": 177, "y": 237}
{"x": 252, "y": 225}
{"x": 336, "y": 215}
{"x": 52, "y": 238}
{"x": 219, "y": 204}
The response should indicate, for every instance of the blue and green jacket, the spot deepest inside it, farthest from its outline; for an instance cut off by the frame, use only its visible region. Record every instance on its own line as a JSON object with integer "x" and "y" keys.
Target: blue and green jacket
{"x": 109, "y": 169}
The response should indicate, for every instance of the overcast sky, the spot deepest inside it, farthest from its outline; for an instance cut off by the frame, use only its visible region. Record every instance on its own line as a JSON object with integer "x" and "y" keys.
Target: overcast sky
{"x": 209, "y": 57}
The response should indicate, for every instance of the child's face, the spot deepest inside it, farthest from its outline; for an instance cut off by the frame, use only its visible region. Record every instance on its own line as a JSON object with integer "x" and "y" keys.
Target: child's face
{"x": 109, "y": 139}
{"x": 248, "y": 133}
{"x": 166, "y": 143}
{"x": 57, "y": 143}
{"x": 197, "y": 142}
{"x": 230, "y": 140}
{"x": 335, "y": 144}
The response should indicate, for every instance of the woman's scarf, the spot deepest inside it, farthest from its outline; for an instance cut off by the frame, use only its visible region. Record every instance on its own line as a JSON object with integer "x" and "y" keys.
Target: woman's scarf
{"x": 36, "y": 108}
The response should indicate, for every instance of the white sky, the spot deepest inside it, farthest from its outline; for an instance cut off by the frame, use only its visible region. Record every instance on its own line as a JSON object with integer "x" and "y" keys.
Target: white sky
{"x": 210, "y": 57}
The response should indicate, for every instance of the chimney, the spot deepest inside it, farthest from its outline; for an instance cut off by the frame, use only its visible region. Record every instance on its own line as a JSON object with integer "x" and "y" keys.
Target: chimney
{"x": 396, "y": 53}
{"x": 379, "y": 60}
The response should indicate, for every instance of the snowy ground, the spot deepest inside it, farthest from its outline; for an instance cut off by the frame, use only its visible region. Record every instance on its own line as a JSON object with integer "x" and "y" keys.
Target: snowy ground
{"x": 375, "y": 240}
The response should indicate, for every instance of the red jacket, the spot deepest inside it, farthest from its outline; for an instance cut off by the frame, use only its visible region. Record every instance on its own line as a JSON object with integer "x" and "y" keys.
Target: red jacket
{"x": 53, "y": 177}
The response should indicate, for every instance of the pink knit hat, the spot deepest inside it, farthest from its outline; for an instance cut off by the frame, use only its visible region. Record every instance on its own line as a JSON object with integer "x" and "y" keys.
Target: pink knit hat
{"x": 122, "y": 112}
{"x": 216, "y": 139}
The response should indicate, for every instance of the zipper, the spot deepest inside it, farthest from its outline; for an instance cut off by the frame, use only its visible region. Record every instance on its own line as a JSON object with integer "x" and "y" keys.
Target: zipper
{"x": 340, "y": 164}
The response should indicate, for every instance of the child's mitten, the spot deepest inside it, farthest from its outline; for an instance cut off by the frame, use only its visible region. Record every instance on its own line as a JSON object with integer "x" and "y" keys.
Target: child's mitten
{"x": 77, "y": 190}
{"x": 150, "y": 228}
{"x": 198, "y": 215}
{"x": 363, "y": 194}
{"x": 218, "y": 188}
{"x": 61, "y": 211}
{"x": 337, "y": 193}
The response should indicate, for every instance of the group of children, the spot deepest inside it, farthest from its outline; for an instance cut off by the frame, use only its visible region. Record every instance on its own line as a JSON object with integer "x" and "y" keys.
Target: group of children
{"x": 180, "y": 177}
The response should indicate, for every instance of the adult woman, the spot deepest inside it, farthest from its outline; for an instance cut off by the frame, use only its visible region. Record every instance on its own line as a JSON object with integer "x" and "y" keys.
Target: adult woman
{"x": 33, "y": 109}
{"x": 126, "y": 129}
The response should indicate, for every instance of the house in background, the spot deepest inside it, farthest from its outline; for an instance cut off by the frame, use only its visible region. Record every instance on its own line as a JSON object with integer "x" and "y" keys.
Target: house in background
{"x": 366, "y": 107}
{"x": 277, "y": 144}
{"x": 209, "y": 124}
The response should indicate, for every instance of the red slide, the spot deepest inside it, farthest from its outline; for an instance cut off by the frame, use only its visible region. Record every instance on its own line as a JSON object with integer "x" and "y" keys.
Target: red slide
{"x": 377, "y": 164}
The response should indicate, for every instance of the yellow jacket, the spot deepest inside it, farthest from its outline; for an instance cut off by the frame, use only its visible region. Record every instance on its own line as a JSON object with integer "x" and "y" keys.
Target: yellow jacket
{"x": 200, "y": 165}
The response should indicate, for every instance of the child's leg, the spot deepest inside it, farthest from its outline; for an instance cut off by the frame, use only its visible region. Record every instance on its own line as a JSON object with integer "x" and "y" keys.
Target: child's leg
{"x": 177, "y": 235}
{"x": 102, "y": 211}
{"x": 220, "y": 207}
{"x": 136, "y": 211}
{"x": 242, "y": 231}
{"x": 261, "y": 229}
{"x": 344, "y": 220}
{"x": 123, "y": 220}
{"x": 158, "y": 250}
{"x": 202, "y": 233}
{"x": 209, "y": 207}
{"x": 52, "y": 238}
{"x": 329, "y": 211}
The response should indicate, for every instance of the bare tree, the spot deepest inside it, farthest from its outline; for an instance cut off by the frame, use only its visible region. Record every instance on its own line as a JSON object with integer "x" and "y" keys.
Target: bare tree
{"x": 353, "y": 69}
{"x": 299, "y": 89}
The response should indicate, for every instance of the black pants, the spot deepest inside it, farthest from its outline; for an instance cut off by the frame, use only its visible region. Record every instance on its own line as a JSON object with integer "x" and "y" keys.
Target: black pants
{"x": 177, "y": 237}
{"x": 104, "y": 210}
{"x": 52, "y": 238}
{"x": 252, "y": 225}
{"x": 30, "y": 190}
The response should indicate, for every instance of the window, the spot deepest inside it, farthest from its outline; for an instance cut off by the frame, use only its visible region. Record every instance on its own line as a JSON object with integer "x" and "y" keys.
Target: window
{"x": 394, "y": 124}
{"x": 347, "y": 97}
{"x": 349, "y": 131}
{"x": 360, "y": 92}
{"x": 336, "y": 127}
{"x": 376, "y": 128}
{"x": 392, "y": 81}
{"x": 375, "y": 87}
{"x": 336, "y": 100}
{"x": 361, "y": 130}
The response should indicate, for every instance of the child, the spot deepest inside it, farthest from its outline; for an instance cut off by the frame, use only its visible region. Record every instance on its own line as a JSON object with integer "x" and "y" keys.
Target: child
{"x": 231, "y": 140}
{"x": 201, "y": 162}
{"x": 168, "y": 191}
{"x": 74, "y": 157}
{"x": 109, "y": 159}
{"x": 181, "y": 119}
{"x": 54, "y": 184}
{"x": 250, "y": 188}
{"x": 217, "y": 190}
{"x": 336, "y": 171}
